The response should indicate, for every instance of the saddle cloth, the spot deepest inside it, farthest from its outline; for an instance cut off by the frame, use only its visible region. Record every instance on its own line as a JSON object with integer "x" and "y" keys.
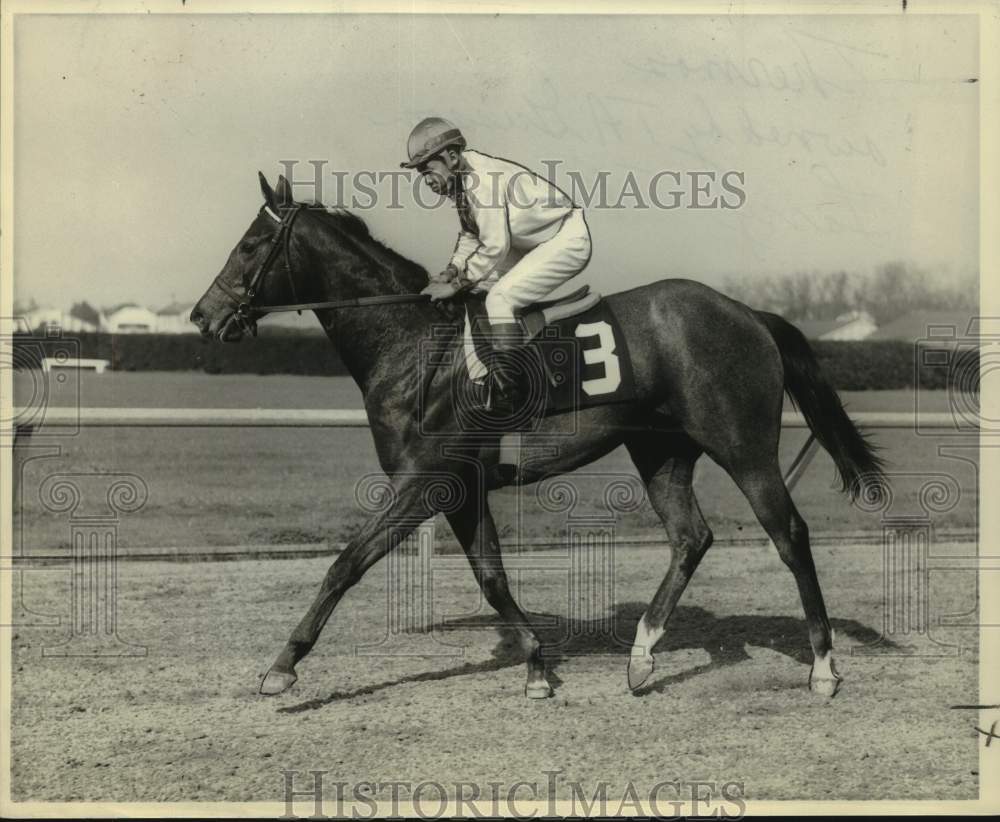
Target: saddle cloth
{"x": 580, "y": 346}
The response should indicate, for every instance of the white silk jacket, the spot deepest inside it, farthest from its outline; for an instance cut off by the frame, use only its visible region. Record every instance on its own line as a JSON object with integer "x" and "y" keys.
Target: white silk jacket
{"x": 502, "y": 206}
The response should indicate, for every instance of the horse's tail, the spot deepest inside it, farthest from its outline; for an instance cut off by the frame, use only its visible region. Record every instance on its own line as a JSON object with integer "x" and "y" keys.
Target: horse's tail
{"x": 855, "y": 456}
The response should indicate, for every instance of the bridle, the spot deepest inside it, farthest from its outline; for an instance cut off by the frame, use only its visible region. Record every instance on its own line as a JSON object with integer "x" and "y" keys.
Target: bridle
{"x": 246, "y": 313}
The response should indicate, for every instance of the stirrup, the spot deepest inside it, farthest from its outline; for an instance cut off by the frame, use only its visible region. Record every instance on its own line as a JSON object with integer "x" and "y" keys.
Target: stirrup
{"x": 502, "y": 404}
{"x": 492, "y": 400}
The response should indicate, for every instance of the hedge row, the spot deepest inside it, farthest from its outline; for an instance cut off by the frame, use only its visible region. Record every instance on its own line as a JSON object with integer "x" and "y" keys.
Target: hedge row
{"x": 853, "y": 366}
{"x": 868, "y": 365}
{"x": 274, "y": 352}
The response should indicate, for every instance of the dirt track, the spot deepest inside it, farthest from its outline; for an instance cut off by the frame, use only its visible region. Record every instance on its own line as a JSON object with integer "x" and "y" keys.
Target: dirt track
{"x": 727, "y": 702}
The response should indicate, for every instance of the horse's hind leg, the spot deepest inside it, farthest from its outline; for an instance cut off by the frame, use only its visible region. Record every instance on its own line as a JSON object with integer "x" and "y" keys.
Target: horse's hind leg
{"x": 666, "y": 465}
{"x": 765, "y": 488}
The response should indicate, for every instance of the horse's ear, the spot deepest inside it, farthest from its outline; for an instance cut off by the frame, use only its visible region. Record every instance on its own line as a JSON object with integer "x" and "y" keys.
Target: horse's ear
{"x": 265, "y": 189}
{"x": 283, "y": 191}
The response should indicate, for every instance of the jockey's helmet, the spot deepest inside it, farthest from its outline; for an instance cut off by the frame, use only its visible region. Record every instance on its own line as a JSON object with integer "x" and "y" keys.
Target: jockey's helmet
{"x": 429, "y": 136}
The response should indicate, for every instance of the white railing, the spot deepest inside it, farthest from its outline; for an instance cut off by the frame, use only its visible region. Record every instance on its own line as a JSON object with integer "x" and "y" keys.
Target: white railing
{"x": 84, "y": 417}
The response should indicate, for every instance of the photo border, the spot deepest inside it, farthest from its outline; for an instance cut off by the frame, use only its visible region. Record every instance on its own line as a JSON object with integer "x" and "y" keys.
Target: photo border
{"x": 989, "y": 525}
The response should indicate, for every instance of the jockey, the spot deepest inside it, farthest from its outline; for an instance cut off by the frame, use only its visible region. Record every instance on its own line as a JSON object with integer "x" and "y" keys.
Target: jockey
{"x": 521, "y": 237}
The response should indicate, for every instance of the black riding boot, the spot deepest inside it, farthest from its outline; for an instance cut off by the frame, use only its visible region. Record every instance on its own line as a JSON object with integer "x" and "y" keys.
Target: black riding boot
{"x": 503, "y": 370}
{"x": 505, "y": 373}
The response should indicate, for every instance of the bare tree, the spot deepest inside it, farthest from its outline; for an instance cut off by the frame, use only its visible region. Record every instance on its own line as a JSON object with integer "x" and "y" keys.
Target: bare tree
{"x": 892, "y": 289}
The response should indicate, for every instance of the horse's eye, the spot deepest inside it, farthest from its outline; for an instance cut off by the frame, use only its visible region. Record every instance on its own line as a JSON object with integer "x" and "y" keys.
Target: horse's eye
{"x": 246, "y": 247}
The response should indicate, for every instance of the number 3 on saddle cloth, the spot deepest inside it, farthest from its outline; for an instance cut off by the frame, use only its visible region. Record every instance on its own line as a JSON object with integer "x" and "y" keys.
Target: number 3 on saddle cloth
{"x": 574, "y": 356}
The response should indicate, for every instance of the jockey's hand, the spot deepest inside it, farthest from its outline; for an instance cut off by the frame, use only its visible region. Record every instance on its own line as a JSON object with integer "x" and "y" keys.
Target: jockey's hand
{"x": 440, "y": 290}
{"x": 450, "y": 273}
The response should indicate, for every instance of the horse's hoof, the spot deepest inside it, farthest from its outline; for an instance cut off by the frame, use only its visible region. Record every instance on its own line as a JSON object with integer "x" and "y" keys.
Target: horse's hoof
{"x": 825, "y": 687}
{"x": 538, "y": 690}
{"x": 639, "y": 669}
{"x": 276, "y": 682}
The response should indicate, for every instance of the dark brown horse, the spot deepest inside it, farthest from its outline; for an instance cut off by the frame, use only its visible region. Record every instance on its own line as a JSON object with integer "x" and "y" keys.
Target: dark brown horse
{"x": 710, "y": 374}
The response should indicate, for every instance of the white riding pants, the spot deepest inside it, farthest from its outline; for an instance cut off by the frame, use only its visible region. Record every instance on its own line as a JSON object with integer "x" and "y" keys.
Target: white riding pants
{"x": 528, "y": 275}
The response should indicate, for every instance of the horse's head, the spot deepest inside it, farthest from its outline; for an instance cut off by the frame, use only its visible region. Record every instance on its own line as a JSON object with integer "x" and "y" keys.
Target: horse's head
{"x": 256, "y": 273}
{"x": 329, "y": 258}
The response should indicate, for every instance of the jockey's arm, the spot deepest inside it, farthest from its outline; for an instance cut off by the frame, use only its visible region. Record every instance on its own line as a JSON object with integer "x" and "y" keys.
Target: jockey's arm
{"x": 465, "y": 247}
{"x": 493, "y": 242}
{"x": 488, "y": 249}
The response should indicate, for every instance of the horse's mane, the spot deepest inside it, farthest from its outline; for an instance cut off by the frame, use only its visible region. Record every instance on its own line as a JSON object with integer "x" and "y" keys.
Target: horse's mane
{"x": 346, "y": 221}
{"x": 412, "y": 275}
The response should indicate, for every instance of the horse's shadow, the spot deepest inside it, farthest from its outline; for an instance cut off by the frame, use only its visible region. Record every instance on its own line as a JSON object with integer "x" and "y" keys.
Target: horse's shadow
{"x": 724, "y": 639}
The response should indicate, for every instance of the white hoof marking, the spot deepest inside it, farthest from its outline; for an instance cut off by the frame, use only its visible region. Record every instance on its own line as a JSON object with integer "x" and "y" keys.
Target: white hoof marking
{"x": 641, "y": 664}
{"x": 823, "y": 678}
{"x": 645, "y": 638}
{"x": 538, "y": 690}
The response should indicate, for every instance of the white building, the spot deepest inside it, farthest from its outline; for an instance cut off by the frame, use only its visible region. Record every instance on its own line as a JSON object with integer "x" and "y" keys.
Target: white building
{"x": 854, "y": 325}
{"x": 175, "y": 319}
{"x": 52, "y": 320}
{"x": 130, "y": 318}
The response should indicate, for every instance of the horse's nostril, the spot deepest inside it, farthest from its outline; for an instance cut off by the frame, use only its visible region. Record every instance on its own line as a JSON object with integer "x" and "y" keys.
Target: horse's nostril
{"x": 197, "y": 317}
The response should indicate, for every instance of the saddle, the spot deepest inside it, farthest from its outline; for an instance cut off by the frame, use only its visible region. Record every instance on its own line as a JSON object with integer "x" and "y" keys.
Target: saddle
{"x": 534, "y": 320}
{"x": 577, "y": 345}
{"x": 535, "y": 317}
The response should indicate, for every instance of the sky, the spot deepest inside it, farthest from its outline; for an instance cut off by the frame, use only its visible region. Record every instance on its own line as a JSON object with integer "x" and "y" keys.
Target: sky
{"x": 137, "y": 138}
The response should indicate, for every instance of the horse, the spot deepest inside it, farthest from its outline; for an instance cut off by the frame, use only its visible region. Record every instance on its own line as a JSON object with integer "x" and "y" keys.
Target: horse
{"x": 710, "y": 373}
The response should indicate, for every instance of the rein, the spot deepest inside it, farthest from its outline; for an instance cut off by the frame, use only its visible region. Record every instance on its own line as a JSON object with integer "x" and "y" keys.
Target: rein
{"x": 357, "y": 302}
{"x": 246, "y": 312}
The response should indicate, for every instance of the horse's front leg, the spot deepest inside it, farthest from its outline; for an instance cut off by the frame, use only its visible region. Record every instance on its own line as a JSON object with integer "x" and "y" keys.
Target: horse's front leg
{"x": 475, "y": 530}
{"x": 380, "y": 535}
